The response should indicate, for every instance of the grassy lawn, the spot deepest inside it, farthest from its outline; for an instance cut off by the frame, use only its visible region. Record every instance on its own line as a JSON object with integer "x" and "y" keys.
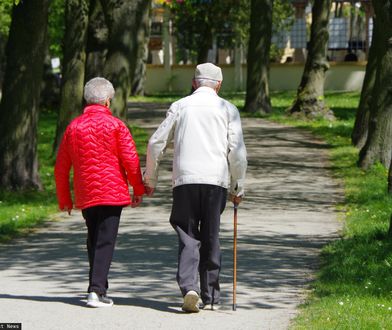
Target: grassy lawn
{"x": 23, "y": 212}
{"x": 353, "y": 289}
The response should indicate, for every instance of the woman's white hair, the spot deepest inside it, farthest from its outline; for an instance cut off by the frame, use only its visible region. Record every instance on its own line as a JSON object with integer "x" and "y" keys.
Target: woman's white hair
{"x": 98, "y": 90}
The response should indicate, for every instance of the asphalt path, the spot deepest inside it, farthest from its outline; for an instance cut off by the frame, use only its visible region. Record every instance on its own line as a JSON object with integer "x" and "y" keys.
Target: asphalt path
{"x": 287, "y": 216}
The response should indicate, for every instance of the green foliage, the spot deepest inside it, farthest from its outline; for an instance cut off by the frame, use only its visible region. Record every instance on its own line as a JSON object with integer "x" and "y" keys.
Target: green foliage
{"x": 56, "y": 27}
{"x": 228, "y": 19}
{"x": 192, "y": 20}
{"x": 5, "y": 17}
{"x": 282, "y": 15}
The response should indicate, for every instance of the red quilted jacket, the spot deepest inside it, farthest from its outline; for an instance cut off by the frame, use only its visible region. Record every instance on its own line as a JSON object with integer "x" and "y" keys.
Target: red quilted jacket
{"x": 103, "y": 155}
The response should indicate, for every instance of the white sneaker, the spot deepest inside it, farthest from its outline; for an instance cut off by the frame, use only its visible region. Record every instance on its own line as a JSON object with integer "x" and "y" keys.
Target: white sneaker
{"x": 96, "y": 301}
{"x": 210, "y": 307}
{"x": 191, "y": 302}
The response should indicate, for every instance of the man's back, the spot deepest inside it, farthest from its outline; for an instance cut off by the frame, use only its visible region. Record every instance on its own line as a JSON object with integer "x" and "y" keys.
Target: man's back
{"x": 201, "y": 139}
{"x": 209, "y": 156}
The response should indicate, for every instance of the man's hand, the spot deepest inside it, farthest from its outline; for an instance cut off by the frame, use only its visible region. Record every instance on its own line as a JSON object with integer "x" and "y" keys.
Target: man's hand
{"x": 235, "y": 199}
{"x": 136, "y": 200}
{"x": 149, "y": 191}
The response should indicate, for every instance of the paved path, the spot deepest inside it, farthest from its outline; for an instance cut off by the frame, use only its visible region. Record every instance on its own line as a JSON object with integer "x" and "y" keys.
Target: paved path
{"x": 288, "y": 215}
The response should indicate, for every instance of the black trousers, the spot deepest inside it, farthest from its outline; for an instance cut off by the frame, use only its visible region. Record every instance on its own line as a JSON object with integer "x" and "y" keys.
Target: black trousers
{"x": 102, "y": 227}
{"x": 195, "y": 217}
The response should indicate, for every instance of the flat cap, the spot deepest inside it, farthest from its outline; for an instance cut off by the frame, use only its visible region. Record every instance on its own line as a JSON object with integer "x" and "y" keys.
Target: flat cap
{"x": 208, "y": 71}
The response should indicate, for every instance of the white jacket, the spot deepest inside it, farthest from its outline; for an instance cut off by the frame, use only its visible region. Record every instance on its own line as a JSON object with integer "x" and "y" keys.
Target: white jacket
{"x": 208, "y": 143}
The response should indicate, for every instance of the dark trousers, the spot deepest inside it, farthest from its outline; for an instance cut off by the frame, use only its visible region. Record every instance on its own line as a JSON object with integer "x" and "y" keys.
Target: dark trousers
{"x": 195, "y": 217}
{"x": 102, "y": 227}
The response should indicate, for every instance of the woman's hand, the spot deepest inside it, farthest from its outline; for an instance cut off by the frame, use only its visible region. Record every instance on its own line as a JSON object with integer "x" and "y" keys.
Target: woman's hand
{"x": 136, "y": 201}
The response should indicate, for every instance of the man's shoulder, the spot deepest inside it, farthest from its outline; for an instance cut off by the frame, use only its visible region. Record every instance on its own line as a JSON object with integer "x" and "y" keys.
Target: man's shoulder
{"x": 228, "y": 105}
{"x": 182, "y": 100}
{"x": 179, "y": 104}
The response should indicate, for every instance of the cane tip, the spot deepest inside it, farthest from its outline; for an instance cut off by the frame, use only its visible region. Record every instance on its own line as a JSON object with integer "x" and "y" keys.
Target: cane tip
{"x": 234, "y": 307}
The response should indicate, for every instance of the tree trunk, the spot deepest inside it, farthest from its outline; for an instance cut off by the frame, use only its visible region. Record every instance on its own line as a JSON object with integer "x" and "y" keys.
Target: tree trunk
{"x": 140, "y": 71}
{"x": 390, "y": 178}
{"x": 390, "y": 192}
{"x": 123, "y": 18}
{"x": 3, "y": 43}
{"x": 19, "y": 105}
{"x": 205, "y": 44}
{"x": 310, "y": 95}
{"x": 97, "y": 40}
{"x": 390, "y": 228}
{"x": 257, "y": 85}
{"x": 379, "y": 142}
{"x": 361, "y": 124}
{"x": 76, "y": 22}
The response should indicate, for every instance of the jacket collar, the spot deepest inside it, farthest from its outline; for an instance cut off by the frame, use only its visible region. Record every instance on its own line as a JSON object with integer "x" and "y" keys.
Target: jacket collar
{"x": 97, "y": 108}
{"x": 204, "y": 89}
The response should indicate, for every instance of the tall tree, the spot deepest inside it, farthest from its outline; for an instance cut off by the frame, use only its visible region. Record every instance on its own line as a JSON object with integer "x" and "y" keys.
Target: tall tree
{"x": 76, "y": 22}
{"x": 124, "y": 18}
{"x": 139, "y": 77}
{"x": 379, "y": 141}
{"x": 361, "y": 124}
{"x": 97, "y": 41}
{"x": 310, "y": 95}
{"x": 390, "y": 178}
{"x": 257, "y": 85}
{"x": 21, "y": 94}
{"x": 390, "y": 192}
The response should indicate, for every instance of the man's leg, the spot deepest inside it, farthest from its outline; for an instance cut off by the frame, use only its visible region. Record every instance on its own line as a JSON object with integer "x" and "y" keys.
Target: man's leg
{"x": 103, "y": 228}
{"x": 213, "y": 203}
{"x": 185, "y": 219}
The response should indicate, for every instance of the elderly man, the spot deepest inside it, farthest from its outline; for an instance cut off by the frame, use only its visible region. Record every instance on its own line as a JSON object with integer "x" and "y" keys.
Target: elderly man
{"x": 103, "y": 155}
{"x": 209, "y": 157}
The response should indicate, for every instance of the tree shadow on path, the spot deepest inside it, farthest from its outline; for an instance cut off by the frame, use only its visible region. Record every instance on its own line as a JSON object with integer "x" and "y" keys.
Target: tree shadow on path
{"x": 286, "y": 217}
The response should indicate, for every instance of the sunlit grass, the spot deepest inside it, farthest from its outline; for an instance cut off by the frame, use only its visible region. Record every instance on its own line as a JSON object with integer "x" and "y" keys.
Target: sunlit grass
{"x": 353, "y": 289}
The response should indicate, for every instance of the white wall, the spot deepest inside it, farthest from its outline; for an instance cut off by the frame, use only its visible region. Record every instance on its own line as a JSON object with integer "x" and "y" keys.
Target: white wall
{"x": 341, "y": 76}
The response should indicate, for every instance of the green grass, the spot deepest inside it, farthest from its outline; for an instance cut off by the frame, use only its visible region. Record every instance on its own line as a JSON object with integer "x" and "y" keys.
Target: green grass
{"x": 353, "y": 289}
{"x": 21, "y": 212}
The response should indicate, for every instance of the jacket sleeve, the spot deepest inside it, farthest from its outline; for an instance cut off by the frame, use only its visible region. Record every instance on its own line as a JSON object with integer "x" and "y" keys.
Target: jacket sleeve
{"x": 61, "y": 174}
{"x": 237, "y": 153}
{"x": 157, "y": 145}
{"x": 129, "y": 159}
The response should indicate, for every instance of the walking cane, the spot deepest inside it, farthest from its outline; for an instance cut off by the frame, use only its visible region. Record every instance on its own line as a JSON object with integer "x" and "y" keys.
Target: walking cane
{"x": 235, "y": 259}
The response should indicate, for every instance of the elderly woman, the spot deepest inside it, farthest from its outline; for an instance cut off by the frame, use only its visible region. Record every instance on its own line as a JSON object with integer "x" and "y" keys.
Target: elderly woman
{"x": 103, "y": 155}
